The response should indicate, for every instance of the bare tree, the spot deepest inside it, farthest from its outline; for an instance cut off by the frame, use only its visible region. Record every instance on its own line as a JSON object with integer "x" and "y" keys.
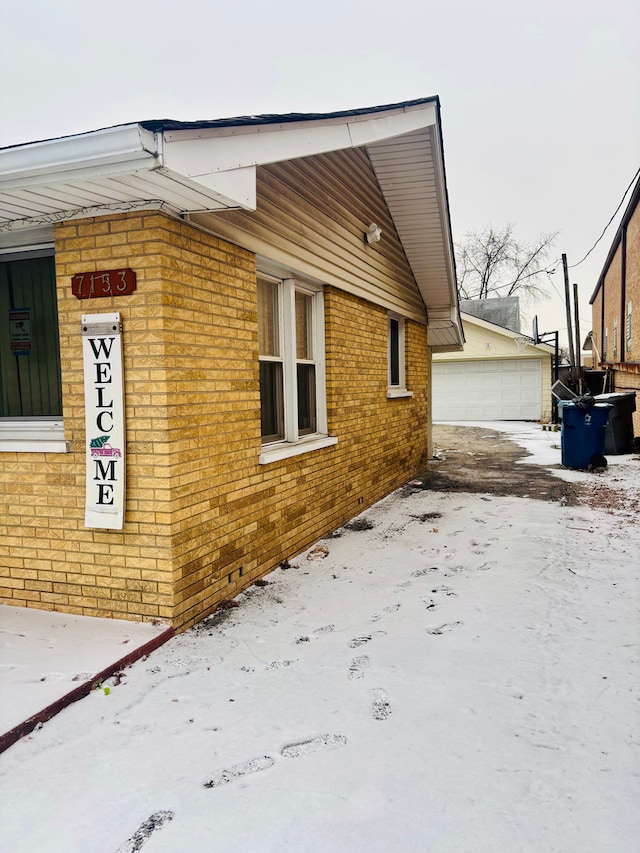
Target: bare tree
{"x": 493, "y": 262}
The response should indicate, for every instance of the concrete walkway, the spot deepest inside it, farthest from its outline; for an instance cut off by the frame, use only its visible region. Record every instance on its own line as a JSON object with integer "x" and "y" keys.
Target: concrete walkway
{"x": 48, "y": 660}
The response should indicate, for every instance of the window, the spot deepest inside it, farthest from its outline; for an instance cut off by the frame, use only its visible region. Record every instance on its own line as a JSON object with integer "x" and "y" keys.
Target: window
{"x": 628, "y": 327}
{"x": 615, "y": 338}
{"x": 292, "y": 379}
{"x": 396, "y": 381}
{"x": 30, "y": 381}
{"x": 605, "y": 344}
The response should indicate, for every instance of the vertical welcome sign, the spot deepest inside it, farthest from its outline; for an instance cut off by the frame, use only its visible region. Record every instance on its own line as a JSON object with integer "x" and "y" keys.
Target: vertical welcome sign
{"x": 104, "y": 420}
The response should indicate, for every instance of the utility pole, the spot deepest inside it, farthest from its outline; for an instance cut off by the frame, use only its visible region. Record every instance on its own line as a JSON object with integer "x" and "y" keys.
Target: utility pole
{"x": 567, "y": 300}
{"x": 576, "y": 310}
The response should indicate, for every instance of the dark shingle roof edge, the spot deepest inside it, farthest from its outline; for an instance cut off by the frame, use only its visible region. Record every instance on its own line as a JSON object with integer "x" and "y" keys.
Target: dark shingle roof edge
{"x": 166, "y": 124}
{"x": 155, "y": 125}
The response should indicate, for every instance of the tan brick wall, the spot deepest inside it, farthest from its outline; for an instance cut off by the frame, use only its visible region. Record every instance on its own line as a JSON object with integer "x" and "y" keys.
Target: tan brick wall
{"x": 612, "y": 303}
{"x": 128, "y": 573}
{"x": 203, "y": 518}
{"x": 623, "y": 379}
{"x": 629, "y": 380}
{"x": 265, "y": 514}
{"x": 633, "y": 282}
{"x": 596, "y": 320}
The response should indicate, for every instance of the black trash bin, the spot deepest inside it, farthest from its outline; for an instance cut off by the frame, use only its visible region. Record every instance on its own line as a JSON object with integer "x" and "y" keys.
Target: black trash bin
{"x": 583, "y": 430}
{"x": 618, "y": 437}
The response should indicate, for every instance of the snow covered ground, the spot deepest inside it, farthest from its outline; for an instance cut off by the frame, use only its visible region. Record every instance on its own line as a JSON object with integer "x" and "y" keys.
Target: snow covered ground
{"x": 461, "y": 676}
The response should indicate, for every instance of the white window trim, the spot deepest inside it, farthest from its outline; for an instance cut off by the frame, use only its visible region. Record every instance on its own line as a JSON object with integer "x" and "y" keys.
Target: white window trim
{"x": 399, "y": 390}
{"x": 33, "y": 435}
{"x": 283, "y": 450}
{"x": 293, "y": 444}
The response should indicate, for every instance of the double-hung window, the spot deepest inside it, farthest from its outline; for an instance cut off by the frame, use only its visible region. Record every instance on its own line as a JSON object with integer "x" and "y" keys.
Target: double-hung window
{"x": 292, "y": 372}
{"x": 396, "y": 381}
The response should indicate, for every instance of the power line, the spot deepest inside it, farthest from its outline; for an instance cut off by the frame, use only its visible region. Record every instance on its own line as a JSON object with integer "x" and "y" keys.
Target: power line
{"x": 573, "y": 266}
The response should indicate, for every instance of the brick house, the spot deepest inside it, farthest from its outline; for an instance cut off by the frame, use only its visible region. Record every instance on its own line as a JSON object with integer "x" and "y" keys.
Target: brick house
{"x": 215, "y": 348}
{"x": 615, "y": 306}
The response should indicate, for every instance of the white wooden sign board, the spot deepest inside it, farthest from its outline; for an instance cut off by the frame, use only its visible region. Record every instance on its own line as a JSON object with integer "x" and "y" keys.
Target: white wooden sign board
{"x": 104, "y": 421}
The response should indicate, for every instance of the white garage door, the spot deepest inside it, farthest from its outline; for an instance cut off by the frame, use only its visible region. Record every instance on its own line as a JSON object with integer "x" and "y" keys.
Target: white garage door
{"x": 509, "y": 390}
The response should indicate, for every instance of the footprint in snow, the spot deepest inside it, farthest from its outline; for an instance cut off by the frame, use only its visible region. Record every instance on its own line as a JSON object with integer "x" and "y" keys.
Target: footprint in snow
{"x": 239, "y": 770}
{"x": 325, "y": 629}
{"x": 360, "y": 641}
{"x": 380, "y": 707}
{"x": 391, "y": 608}
{"x": 142, "y": 833}
{"x": 442, "y": 629}
{"x": 446, "y": 589}
{"x": 302, "y": 747}
{"x": 422, "y": 572}
{"x": 357, "y": 667}
{"x": 279, "y": 664}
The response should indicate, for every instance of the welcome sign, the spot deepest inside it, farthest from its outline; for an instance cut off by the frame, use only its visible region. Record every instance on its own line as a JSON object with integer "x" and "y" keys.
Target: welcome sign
{"x": 104, "y": 420}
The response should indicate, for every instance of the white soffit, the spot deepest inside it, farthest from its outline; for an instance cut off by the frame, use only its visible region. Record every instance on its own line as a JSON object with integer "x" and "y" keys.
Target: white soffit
{"x": 410, "y": 172}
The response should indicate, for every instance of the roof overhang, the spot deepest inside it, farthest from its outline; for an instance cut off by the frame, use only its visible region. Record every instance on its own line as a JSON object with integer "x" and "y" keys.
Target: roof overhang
{"x": 192, "y": 167}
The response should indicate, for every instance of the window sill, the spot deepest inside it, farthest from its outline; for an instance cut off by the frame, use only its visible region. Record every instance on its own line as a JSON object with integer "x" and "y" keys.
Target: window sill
{"x": 284, "y": 451}
{"x": 36, "y": 446}
{"x": 393, "y": 393}
{"x": 37, "y": 435}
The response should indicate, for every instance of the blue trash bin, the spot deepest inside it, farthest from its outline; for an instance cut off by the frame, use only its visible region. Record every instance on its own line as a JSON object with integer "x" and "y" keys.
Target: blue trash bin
{"x": 582, "y": 433}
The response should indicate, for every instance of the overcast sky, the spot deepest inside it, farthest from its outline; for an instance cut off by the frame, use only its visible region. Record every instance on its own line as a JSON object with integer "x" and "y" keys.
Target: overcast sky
{"x": 540, "y": 101}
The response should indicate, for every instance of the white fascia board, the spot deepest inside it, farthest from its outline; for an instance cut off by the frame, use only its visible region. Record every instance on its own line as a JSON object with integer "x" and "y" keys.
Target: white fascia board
{"x": 447, "y": 239}
{"x": 217, "y": 150}
{"x": 383, "y": 126}
{"x": 210, "y": 154}
{"x": 103, "y": 152}
{"x": 233, "y": 189}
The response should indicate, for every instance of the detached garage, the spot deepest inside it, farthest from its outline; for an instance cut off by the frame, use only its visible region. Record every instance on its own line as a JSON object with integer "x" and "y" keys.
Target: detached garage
{"x": 500, "y": 375}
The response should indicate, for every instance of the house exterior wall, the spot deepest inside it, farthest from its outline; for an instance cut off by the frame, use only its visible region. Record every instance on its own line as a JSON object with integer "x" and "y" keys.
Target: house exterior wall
{"x": 311, "y": 216}
{"x": 618, "y": 287}
{"x": 633, "y": 285}
{"x": 612, "y": 306}
{"x": 203, "y": 518}
{"x": 597, "y": 331}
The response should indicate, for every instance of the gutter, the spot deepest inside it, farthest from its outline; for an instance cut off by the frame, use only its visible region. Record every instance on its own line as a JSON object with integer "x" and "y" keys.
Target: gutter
{"x": 96, "y": 155}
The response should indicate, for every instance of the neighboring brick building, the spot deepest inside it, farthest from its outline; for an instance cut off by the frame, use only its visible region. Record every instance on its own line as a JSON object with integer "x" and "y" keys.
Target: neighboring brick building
{"x": 272, "y": 357}
{"x": 616, "y": 308}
